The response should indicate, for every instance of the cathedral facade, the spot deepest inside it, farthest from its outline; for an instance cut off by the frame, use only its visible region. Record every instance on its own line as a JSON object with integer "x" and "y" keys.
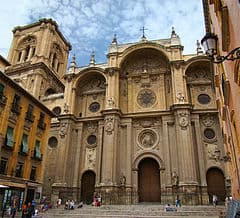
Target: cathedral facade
{"x": 142, "y": 127}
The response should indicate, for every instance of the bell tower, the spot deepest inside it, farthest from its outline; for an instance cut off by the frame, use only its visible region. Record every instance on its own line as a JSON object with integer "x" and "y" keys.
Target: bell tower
{"x": 39, "y": 57}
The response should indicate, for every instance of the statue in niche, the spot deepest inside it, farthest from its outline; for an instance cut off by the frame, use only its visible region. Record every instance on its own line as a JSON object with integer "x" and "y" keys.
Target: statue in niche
{"x": 175, "y": 178}
{"x": 122, "y": 180}
{"x": 111, "y": 103}
{"x": 180, "y": 98}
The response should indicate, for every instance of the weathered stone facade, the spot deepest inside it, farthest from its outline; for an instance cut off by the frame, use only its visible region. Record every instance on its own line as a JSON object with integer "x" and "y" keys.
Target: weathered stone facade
{"x": 141, "y": 127}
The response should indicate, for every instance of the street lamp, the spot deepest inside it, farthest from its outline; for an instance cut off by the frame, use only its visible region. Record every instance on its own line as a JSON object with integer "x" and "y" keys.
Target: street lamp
{"x": 209, "y": 43}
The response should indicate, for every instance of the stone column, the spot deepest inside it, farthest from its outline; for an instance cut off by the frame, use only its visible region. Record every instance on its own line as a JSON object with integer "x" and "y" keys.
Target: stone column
{"x": 188, "y": 185}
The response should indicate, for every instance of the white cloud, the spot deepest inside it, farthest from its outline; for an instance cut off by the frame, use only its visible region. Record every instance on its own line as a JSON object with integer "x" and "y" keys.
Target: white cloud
{"x": 87, "y": 23}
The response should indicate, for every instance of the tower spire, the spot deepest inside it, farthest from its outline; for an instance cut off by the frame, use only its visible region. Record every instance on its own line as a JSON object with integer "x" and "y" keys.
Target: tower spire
{"x": 92, "y": 61}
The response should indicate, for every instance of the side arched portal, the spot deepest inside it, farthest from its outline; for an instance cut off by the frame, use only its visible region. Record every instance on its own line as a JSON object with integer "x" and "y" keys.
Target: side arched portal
{"x": 88, "y": 187}
{"x": 216, "y": 184}
{"x": 149, "y": 181}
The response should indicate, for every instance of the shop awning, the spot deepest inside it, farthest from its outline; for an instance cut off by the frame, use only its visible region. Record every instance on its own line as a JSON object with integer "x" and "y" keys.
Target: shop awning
{"x": 3, "y": 186}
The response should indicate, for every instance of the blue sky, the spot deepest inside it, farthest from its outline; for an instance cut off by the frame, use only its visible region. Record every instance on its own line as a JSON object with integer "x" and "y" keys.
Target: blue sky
{"x": 90, "y": 24}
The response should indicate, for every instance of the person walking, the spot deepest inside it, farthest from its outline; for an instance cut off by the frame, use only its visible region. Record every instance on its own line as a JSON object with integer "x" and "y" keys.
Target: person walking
{"x": 215, "y": 200}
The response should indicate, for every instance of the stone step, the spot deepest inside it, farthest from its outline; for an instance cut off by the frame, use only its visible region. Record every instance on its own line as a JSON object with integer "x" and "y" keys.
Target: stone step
{"x": 139, "y": 211}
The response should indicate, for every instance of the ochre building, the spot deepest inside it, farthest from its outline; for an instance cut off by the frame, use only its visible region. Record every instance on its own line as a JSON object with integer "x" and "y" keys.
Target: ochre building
{"x": 221, "y": 18}
{"x": 24, "y": 126}
{"x": 142, "y": 127}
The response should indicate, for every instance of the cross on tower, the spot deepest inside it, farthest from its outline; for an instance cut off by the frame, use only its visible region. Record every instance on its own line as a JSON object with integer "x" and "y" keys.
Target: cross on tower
{"x": 143, "y": 32}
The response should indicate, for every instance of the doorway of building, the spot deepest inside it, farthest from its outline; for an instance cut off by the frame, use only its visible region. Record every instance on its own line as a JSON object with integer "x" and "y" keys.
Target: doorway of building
{"x": 149, "y": 181}
{"x": 30, "y": 195}
{"x": 88, "y": 187}
{"x": 216, "y": 184}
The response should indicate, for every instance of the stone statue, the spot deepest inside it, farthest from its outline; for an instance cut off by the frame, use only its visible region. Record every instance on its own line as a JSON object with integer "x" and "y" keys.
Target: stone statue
{"x": 175, "y": 178}
{"x": 122, "y": 180}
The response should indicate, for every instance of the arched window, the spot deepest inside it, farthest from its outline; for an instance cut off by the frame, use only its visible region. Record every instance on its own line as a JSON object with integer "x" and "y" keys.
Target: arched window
{"x": 26, "y": 49}
{"x": 50, "y": 91}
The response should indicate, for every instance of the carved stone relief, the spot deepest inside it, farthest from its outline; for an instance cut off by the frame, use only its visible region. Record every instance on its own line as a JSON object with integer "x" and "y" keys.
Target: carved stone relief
{"x": 183, "y": 119}
{"x": 109, "y": 125}
{"x": 147, "y": 138}
{"x": 213, "y": 152}
{"x": 207, "y": 120}
{"x": 146, "y": 123}
{"x": 90, "y": 158}
{"x": 63, "y": 130}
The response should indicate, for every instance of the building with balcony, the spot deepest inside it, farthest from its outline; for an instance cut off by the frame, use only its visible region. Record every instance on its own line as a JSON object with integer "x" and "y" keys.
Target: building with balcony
{"x": 24, "y": 125}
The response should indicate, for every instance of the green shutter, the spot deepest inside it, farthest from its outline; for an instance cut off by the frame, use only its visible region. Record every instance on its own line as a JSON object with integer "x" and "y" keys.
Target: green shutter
{"x": 1, "y": 88}
{"x": 10, "y": 139}
{"x": 37, "y": 149}
{"x": 25, "y": 143}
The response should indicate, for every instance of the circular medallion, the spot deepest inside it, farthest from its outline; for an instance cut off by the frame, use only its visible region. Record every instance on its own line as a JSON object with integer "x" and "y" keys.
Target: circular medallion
{"x": 209, "y": 133}
{"x": 147, "y": 138}
{"x": 146, "y": 98}
{"x": 94, "y": 107}
{"x": 91, "y": 140}
{"x": 204, "y": 99}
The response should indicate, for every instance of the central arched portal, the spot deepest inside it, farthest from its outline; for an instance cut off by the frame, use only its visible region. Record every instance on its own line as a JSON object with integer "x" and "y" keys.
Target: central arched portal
{"x": 149, "y": 181}
{"x": 88, "y": 187}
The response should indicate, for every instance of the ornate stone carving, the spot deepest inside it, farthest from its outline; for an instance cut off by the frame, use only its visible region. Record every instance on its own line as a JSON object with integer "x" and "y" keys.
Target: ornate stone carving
{"x": 66, "y": 108}
{"x": 183, "y": 120}
{"x": 146, "y": 98}
{"x": 92, "y": 127}
{"x": 90, "y": 157}
{"x": 63, "y": 130}
{"x": 147, "y": 138}
{"x": 109, "y": 125}
{"x": 180, "y": 98}
{"x": 122, "y": 180}
{"x": 111, "y": 103}
{"x": 207, "y": 120}
{"x": 175, "y": 178}
{"x": 213, "y": 152}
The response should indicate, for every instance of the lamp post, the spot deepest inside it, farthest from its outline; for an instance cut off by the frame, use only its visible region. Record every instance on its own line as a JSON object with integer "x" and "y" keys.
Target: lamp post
{"x": 209, "y": 43}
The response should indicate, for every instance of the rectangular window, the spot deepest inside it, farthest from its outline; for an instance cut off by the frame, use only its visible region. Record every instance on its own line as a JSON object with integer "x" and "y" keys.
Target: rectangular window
{"x": 33, "y": 174}
{"x": 37, "y": 150}
{"x": 24, "y": 145}
{"x": 16, "y": 104}
{"x": 3, "y": 166}
{"x": 41, "y": 123}
{"x": 19, "y": 170}
{"x": 1, "y": 89}
{"x": 9, "y": 140}
{"x": 29, "y": 114}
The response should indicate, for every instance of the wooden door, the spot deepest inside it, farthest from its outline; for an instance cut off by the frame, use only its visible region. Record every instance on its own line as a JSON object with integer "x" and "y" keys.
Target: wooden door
{"x": 149, "y": 181}
{"x": 88, "y": 187}
{"x": 216, "y": 184}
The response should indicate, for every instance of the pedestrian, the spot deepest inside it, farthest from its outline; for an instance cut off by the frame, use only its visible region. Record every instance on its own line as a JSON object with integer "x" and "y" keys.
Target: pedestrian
{"x": 80, "y": 205}
{"x": 24, "y": 210}
{"x": 13, "y": 209}
{"x": 177, "y": 202}
{"x": 215, "y": 200}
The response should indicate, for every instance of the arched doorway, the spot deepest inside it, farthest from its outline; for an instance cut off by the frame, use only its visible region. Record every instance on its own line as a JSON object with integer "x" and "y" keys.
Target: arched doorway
{"x": 149, "y": 181}
{"x": 216, "y": 184}
{"x": 88, "y": 187}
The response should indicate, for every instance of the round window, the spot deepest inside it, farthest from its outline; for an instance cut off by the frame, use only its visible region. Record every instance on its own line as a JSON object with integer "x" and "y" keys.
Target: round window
{"x": 92, "y": 139}
{"x": 57, "y": 110}
{"x": 204, "y": 99}
{"x": 209, "y": 133}
{"x": 52, "y": 142}
{"x": 94, "y": 107}
{"x": 146, "y": 98}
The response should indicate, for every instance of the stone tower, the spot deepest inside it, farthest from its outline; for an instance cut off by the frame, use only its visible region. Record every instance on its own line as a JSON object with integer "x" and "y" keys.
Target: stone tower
{"x": 39, "y": 57}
